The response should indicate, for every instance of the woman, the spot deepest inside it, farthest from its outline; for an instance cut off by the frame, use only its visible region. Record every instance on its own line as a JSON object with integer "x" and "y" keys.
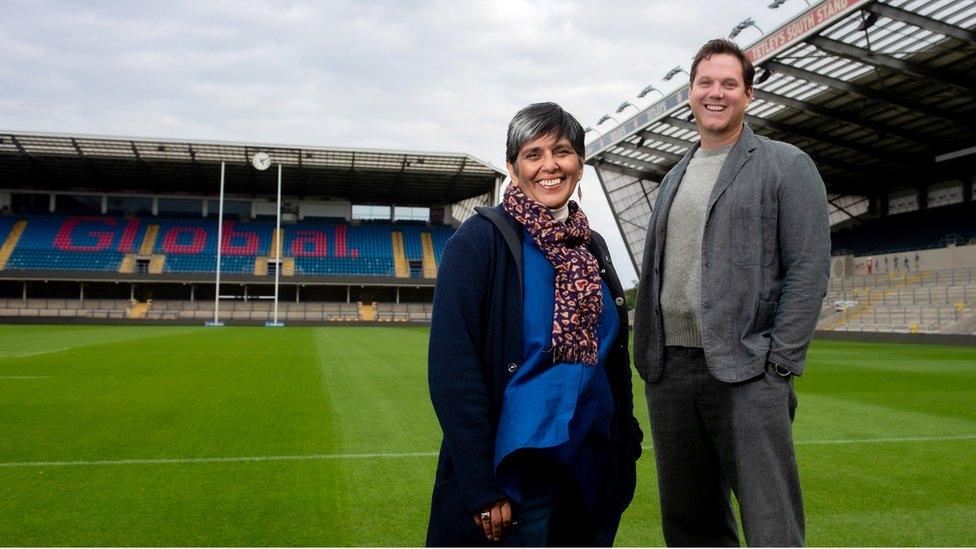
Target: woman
{"x": 528, "y": 361}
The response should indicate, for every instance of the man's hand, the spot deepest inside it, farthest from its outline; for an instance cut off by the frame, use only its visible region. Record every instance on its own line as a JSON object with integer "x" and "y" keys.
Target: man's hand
{"x": 495, "y": 519}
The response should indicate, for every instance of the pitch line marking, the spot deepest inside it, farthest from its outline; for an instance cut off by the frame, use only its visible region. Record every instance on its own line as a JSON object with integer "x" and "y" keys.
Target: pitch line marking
{"x": 41, "y": 352}
{"x": 239, "y": 459}
{"x": 24, "y": 377}
{"x": 883, "y": 440}
{"x": 323, "y": 457}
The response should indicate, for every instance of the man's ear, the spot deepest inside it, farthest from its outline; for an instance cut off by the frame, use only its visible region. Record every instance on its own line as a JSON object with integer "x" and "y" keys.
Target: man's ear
{"x": 750, "y": 95}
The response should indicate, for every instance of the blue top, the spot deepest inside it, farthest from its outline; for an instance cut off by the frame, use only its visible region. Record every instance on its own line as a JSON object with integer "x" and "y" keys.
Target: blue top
{"x": 561, "y": 410}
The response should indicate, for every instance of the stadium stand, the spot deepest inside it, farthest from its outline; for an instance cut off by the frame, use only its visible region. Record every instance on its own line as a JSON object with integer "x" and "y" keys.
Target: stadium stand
{"x": 930, "y": 228}
{"x": 99, "y": 243}
{"x": 99, "y": 228}
{"x": 73, "y": 243}
{"x": 942, "y": 301}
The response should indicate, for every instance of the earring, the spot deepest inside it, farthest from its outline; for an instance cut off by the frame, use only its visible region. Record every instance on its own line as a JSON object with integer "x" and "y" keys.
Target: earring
{"x": 579, "y": 192}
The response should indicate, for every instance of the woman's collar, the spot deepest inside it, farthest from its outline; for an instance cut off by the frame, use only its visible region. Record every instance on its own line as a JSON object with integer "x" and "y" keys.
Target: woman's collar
{"x": 561, "y": 213}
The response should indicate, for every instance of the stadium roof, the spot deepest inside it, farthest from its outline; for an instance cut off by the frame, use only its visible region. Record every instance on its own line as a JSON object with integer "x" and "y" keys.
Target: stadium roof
{"x": 86, "y": 162}
{"x": 880, "y": 94}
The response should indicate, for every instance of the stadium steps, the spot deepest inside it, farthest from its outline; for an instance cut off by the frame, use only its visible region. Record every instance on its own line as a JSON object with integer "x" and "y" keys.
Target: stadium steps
{"x": 10, "y": 243}
{"x": 870, "y": 297}
{"x": 430, "y": 264}
{"x": 128, "y": 264}
{"x": 156, "y": 263}
{"x": 966, "y": 325}
{"x": 288, "y": 266}
{"x": 138, "y": 309}
{"x": 401, "y": 267}
{"x": 277, "y": 242}
{"x": 367, "y": 311}
{"x": 260, "y": 265}
{"x": 149, "y": 241}
{"x": 863, "y": 306}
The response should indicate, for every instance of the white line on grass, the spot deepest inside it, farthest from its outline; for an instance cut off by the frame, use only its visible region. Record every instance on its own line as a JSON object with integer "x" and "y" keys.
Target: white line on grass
{"x": 163, "y": 461}
{"x": 321, "y": 457}
{"x": 42, "y": 352}
{"x": 882, "y": 440}
{"x": 24, "y": 377}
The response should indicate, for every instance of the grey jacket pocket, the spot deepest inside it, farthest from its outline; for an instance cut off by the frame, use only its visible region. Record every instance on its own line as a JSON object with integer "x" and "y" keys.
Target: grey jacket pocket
{"x": 765, "y": 315}
{"x": 747, "y": 235}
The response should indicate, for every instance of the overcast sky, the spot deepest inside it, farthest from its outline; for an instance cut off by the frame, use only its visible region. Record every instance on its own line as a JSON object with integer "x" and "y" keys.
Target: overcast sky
{"x": 428, "y": 76}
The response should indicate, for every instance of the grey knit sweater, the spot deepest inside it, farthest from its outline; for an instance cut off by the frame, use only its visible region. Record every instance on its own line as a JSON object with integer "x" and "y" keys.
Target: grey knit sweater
{"x": 681, "y": 283}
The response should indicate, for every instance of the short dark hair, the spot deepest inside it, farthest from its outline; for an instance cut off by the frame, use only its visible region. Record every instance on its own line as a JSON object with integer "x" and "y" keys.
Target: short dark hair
{"x": 539, "y": 119}
{"x": 722, "y": 45}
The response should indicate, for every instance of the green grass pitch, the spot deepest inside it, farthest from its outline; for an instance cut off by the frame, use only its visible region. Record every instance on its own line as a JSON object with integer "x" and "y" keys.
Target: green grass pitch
{"x": 170, "y": 436}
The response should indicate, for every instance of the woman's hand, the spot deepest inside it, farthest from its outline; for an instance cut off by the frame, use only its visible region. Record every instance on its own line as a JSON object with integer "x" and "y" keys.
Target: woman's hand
{"x": 495, "y": 519}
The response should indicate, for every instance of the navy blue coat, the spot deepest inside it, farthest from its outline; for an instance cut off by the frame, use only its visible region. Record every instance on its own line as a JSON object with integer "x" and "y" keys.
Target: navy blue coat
{"x": 475, "y": 347}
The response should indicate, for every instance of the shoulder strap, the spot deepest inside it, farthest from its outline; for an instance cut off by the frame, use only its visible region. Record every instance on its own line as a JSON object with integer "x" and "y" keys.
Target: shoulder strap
{"x": 508, "y": 233}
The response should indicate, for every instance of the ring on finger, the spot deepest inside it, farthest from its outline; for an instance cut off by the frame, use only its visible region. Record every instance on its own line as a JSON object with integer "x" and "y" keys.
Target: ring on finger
{"x": 485, "y": 515}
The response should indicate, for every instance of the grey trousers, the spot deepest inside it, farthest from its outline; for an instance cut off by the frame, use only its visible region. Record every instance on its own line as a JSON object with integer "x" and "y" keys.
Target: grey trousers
{"x": 712, "y": 437}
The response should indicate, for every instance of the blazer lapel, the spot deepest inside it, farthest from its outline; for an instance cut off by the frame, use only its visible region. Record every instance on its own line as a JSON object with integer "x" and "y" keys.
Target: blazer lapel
{"x": 737, "y": 158}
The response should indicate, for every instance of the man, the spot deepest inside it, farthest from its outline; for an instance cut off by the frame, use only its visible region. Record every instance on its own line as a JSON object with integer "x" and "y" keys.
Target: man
{"x": 735, "y": 268}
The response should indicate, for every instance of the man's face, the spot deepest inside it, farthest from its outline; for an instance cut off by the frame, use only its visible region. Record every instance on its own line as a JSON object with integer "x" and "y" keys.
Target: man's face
{"x": 719, "y": 96}
{"x": 547, "y": 170}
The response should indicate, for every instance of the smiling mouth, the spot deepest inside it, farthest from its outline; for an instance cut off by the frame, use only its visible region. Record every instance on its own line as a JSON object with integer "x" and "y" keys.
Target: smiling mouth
{"x": 714, "y": 108}
{"x": 550, "y": 184}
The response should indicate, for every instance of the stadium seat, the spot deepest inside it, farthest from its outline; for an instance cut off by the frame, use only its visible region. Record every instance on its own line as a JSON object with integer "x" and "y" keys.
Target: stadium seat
{"x": 324, "y": 247}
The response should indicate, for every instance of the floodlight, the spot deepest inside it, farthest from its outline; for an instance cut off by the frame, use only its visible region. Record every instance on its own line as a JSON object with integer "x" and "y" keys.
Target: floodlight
{"x": 624, "y": 105}
{"x": 674, "y": 72}
{"x": 648, "y": 90}
{"x": 746, "y": 23}
{"x": 778, "y": 3}
{"x": 606, "y": 117}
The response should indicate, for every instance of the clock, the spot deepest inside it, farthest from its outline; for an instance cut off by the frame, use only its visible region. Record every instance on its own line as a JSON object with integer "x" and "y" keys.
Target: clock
{"x": 261, "y": 161}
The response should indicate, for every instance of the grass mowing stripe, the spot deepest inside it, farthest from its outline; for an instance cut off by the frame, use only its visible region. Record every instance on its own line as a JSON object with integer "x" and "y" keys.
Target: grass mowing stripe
{"x": 315, "y": 457}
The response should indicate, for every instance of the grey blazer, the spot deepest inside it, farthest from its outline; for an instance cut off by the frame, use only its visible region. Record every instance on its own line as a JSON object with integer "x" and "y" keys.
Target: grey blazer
{"x": 765, "y": 262}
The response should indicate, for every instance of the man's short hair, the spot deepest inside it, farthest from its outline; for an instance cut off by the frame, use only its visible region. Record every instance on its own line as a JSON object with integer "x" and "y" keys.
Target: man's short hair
{"x": 722, "y": 45}
{"x": 539, "y": 119}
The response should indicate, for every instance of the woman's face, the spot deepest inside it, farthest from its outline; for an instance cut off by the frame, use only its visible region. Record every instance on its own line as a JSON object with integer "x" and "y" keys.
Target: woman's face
{"x": 547, "y": 170}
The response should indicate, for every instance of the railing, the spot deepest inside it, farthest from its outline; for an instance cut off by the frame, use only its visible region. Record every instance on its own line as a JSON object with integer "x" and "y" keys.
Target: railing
{"x": 921, "y": 301}
{"x": 903, "y": 316}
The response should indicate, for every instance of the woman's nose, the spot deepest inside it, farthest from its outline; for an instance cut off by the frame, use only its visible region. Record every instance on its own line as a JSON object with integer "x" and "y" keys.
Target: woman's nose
{"x": 549, "y": 163}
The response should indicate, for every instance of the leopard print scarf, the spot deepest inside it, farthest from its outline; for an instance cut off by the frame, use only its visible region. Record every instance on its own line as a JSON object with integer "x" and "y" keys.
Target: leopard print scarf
{"x": 579, "y": 299}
